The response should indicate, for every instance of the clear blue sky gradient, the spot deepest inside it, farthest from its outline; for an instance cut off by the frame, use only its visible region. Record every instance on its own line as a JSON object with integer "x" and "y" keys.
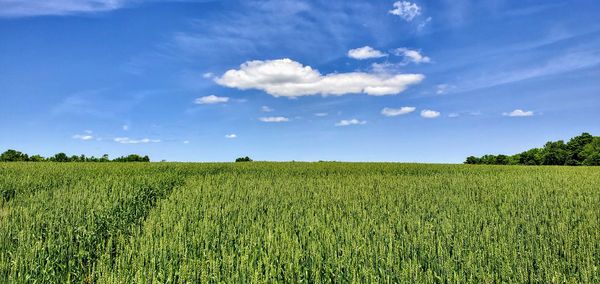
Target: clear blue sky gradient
{"x": 78, "y": 76}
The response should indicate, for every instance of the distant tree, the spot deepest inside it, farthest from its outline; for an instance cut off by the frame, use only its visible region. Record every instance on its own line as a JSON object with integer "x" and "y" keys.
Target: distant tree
{"x": 591, "y": 153}
{"x": 104, "y": 158}
{"x": 575, "y": 148}
{"x": 36, "y": 158}
{"x": 514, "y": 159}
{"x": 11, "y": 155}
{"x": 60, "y": 157}
{"x": 132, "y": 158}
{"x": 555, "y": 153}
{"x": 530, "y": 157}
{"x": 243, "y": 159}
{"x": 502, "y": 160}
{"x": 580, "y": 150}
{"x": 488, "y": 159}
{"x": 16, "y": 156}
{"x": 472, "y": 160}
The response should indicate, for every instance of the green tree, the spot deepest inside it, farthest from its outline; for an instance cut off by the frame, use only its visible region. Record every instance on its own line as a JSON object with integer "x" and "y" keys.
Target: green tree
{"x": 531, "y": 157}
{"x": 555, "y": 153}
{"x": 502, "y": 160}
{"x": 11, "y": 155}
{"x": 36, "y": 158}
{"x": 575, "y": 147}
{"x": 60, "y": 157}
{"x": 243, "y": 159}
{"x": 591, "y": 153}
{"x": 472, "y": 160}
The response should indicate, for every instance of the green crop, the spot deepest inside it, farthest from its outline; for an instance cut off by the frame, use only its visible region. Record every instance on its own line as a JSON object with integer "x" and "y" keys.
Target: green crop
{"x": 298, "y": 222}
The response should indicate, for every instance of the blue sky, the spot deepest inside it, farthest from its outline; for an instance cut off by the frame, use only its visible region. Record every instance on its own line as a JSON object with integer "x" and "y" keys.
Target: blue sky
{"x": 412, "y": 81}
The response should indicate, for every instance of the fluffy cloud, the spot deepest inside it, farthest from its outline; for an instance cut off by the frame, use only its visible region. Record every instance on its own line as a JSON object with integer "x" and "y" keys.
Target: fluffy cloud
{"x": 274, "y": 119}
{"x": 28, "y": 8}
{"x": 212, "y": 99}
{"x": 411, "y": 55}
{"x": 348, "y": 122}
{"x": 231, "y": 136}
{"x": 406, "y": 10}
{"x": 365, "y": 52}
{"x": 288, "y": 78}
{"x": 397, "y": 111}
{"x": 518, "y": 113}
{"x": 266, "y": 109}
{"x": 84, "y": 137}
{"x": 427, "y": 113}
{"x": 127, "y": 140}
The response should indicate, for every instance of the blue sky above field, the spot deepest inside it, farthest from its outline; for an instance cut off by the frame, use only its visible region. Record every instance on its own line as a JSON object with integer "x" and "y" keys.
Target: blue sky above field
{"x": 420, "y": 81}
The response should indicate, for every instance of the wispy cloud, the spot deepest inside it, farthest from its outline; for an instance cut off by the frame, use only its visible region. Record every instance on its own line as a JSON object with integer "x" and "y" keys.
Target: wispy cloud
{"x": 518, "y": 113}
{"x": 212, "y": 99}
{"x": 567, "y": 62}
{"x": 231, "y": 136}
{"x": 321, "y": 114}
{"x": 127, "y": 140}
{"x": 288, "y": 78}
{"x": 28, "y": 8}
{"x": 274, "y": 119}
{"x": 397, "y": 111}
{"x": 84, "y": 137}
{"x": 348, "y": 122}
{"x": 266, "y": 109}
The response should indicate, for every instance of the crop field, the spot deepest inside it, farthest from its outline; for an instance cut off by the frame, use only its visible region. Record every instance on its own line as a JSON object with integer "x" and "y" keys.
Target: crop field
{"x": 298, "y": 222}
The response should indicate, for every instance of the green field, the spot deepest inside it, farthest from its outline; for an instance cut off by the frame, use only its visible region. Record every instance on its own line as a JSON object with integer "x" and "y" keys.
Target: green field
{"x": 298, "y": 222}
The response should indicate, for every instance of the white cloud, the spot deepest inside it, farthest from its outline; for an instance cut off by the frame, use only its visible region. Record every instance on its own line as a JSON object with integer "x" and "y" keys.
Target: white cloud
{"x": 518, "y": 113}
{"x": 411, "y": 55}
{"x": 274, "y": 119}
{"x": 207, "y": 75}
{"x": 212, "y": 99}
{"x": 423, "y": 24}
{"x": 186, "y": 142}
{"x": 442, "y": 89}
{"x": 427, "y": 113}
{"x": 453, "y": 115}
{"x": 348, "y": 122}
{"x": 29, "y": 8}
{"x": 231, "y": 136}
{"x": 125, "y": 127}
{"x": 365, "y": 52}
{"x": 266, "y": 109}
{"x": 406, "y": 10}
{"x": 127, "y": 140}
{"x": 84, "y": 137}
{"x": 288, "y": 78}
{"x": 397, "y": 111}
{"x": 321, "y": 114}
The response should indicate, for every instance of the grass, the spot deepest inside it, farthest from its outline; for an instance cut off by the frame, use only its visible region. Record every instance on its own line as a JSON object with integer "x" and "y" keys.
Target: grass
{"x": 298, "y": 222}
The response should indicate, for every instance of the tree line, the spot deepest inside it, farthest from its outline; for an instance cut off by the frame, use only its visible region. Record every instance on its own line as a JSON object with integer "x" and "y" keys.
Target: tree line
{"x": 582, "y": 150}
{"x": 16, "y": 156}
